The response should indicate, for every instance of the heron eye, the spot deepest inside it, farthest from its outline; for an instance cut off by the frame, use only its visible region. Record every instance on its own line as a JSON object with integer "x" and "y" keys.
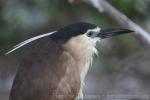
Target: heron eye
{"x": 89, "y": 34}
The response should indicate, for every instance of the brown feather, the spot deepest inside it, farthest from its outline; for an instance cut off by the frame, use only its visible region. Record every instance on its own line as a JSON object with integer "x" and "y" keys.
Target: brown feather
{"x": 48, "y": 72}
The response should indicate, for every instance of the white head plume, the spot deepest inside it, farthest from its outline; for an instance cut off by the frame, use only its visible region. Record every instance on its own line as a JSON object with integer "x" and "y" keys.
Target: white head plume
{"x": 28, "y": 41}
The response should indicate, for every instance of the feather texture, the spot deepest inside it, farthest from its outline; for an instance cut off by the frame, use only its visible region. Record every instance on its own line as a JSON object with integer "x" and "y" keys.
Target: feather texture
{"x": 28, "y": 41}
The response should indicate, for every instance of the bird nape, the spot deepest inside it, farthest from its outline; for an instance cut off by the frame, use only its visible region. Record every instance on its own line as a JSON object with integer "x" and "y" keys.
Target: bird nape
{"x": 57, "y": 62}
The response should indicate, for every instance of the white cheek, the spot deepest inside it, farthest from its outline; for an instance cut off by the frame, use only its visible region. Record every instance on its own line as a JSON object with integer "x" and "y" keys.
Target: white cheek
{"x": 94, "y": 40}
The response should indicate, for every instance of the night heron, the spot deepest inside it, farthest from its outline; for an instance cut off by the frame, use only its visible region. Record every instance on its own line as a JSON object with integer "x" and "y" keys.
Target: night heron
{"x": 58, "y": 62}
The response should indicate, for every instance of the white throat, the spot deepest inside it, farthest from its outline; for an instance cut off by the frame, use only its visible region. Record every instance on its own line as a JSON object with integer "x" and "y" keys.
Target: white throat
{"x": 82, "y": 48}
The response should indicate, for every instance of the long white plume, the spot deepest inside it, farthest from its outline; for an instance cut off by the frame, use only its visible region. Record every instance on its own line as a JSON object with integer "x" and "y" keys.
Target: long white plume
{"x": 28, "y": 41}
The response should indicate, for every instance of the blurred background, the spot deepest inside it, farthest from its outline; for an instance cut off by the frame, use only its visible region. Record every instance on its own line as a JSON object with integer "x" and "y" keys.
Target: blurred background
{"x": 120, "y": 72}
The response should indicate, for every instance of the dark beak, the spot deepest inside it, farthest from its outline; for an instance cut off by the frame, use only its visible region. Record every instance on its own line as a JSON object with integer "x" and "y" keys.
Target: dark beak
{"x": 106, "y": 33}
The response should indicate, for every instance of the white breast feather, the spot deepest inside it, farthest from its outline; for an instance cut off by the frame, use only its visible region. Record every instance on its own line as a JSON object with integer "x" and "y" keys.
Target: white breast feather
{"x": 87, "y": 64}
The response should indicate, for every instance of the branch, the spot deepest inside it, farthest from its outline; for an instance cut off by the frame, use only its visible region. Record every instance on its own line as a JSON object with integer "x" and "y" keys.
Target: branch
{"x": 104, "y": 6}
